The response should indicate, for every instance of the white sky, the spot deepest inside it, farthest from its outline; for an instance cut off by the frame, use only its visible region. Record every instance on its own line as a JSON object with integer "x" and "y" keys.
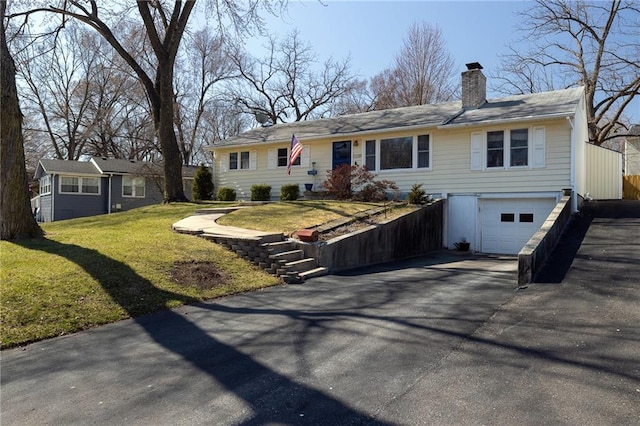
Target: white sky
{"x": 371, "y": 32}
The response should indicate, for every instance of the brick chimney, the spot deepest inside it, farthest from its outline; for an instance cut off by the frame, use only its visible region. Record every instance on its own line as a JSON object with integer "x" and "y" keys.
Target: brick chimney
{"x": 474, "y": 86}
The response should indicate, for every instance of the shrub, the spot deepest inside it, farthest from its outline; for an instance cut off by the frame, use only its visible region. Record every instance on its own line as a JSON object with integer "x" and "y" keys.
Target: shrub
{"x": 202, "y": 188}
{"x": 375, "y": 191}
{"x": 226, "y": 194}
{"x": 417, "y": 195}
{"x": 261, "y": 192}
{"x": 289, "y": 192}
{"x": 347, "y": 182}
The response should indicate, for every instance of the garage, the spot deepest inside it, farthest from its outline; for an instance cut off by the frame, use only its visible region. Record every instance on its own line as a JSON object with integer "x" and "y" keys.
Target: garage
{"x": 507, "y": 224}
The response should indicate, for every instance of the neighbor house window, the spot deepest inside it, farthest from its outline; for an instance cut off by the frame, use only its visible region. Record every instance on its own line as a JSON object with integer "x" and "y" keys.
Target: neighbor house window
{"x": 69, "y": 185}
{"x": 45, "y": 185}
{"x": 133, "y": 186}
{"x": 239, "y": 160}
{"x": 396, "y": 153}
{"x": 79, "y": 185}
{"x": 519, "y": 147}
{"x": 283, "y": 158}
{"x": 495, "y": 149}
{"x": 370, "y": 155}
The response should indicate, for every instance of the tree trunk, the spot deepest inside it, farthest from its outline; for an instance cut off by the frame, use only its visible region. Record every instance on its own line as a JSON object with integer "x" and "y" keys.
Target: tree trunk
{"x": 16, "y": 217}
{"x": 164, "y": 120}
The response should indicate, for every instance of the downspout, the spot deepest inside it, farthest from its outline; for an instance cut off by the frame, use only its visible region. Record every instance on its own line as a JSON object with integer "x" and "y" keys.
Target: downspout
{"x": 53, "y": 197}
{"x": 574, "y": 194}
{"x": 109, "y": 197}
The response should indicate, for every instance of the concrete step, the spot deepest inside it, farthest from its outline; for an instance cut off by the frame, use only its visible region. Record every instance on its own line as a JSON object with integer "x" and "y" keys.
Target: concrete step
{"x": 279, "y": 246}
{"x": 316, "y": 272}
{"x": 287, "y": 256}
{"x": 301, "y": 265}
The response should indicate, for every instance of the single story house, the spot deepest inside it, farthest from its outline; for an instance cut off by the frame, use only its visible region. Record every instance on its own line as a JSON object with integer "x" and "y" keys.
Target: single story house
{"x": 70, "y": 189}
{"x": 501, "y": 164}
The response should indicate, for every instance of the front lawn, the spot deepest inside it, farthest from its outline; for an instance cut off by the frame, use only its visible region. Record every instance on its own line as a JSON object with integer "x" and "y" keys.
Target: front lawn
{"x": 96, "y": 270}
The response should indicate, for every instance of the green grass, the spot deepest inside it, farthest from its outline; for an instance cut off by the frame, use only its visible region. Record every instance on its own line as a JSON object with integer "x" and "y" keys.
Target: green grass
{"x": 287, "y": 217}
{"x": 96, "y": 270}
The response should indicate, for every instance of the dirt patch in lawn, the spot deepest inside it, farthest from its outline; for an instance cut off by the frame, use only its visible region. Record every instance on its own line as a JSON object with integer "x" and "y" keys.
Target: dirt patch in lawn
{"x": 204, "y": 275}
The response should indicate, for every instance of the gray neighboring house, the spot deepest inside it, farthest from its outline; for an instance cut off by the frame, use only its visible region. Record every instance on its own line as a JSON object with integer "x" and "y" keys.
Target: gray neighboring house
{"x": 70, "y": 189}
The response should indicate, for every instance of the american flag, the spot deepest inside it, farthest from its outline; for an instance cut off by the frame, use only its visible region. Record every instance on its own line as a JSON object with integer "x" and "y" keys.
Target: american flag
{"x": 296, "y": 150}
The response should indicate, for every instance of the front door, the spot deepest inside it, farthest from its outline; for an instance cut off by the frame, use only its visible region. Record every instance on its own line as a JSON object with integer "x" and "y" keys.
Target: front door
{"x": 341, "y": 153}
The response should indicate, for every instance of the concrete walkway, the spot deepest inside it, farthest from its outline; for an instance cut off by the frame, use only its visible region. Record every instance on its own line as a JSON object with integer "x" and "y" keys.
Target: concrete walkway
{"x": 205, "y": 221}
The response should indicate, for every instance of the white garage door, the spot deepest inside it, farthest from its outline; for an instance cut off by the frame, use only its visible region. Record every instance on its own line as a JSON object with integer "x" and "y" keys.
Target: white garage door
{"x": 507, "y": 224}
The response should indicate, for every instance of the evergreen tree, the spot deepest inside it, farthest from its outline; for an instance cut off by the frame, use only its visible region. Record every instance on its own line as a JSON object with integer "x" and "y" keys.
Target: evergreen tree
{"x": 202, "y": 184}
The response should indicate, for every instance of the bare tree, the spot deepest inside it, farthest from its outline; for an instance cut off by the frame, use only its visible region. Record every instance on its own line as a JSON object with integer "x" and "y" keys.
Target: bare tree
{"x": 16, "y": 218}
{"x": 59, "y": 78}
{"x": 579, "y": 43}
{"x": 164, "y": 24}
{"x": 205, "y": 66}
{"x": 421, "y": 74}
{"x": 284, "y": 86}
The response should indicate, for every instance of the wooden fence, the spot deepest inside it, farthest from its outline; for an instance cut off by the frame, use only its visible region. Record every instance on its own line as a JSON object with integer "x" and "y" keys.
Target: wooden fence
{"x": 631, "y": 187}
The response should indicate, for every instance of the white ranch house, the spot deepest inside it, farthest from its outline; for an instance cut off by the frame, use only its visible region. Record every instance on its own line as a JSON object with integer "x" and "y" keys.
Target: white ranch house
{"x": 501, "y": 164}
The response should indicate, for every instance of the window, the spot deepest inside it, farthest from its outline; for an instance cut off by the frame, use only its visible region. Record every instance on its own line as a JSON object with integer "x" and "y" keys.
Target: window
{"x": 244, "y": 160}
{"x": 507, "y": 217}
{"x": 90, "y": 185}
{"x": 45, "y": 185}
{"x": 233, "y": 161}
{"x": 370, "y": 155}
{"x": 407, "y": 152}
{"x": 239, "y": 160}
{"x": 423, "y": 151}
{"x": 519, "y": 147}
{"x": 526, "y": 217}
{"x": 133, "y": 186}
{"x": 69, "y": 184}
{"x": 79, "y": 185}
{"x": 283, "y": 158}
{"x": 396, "y": 153}
{"x": 495, "y": 149}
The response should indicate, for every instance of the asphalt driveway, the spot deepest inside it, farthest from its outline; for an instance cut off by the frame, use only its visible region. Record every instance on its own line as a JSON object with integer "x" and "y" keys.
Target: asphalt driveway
{"x": 444, "y": 339}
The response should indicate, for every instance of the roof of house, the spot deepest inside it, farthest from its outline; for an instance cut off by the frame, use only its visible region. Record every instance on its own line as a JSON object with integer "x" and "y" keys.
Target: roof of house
{"x": 51, "y": 166}
{"x": 100, "y": 166}
{"x": 443, "y": 115}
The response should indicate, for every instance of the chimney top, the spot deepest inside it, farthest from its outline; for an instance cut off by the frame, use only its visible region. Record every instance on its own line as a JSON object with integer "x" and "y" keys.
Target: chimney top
{"x": 474, "y": 66}
{"x": 474, "y": 86}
